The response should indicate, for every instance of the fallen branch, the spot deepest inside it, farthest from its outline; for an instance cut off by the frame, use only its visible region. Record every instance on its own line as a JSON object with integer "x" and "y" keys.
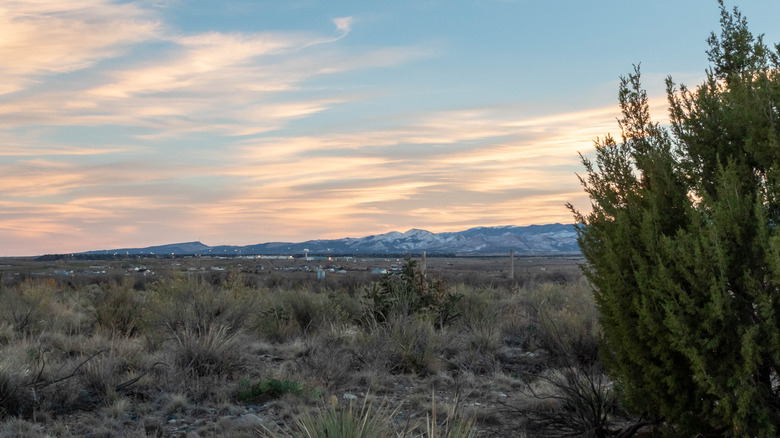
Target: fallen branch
{"x": 38, "y": 383}
{"x": 124, "y": 385}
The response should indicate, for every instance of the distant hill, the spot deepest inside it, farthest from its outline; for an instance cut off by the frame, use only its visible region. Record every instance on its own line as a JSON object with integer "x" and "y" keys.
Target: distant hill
{"x": 533, "y": 239}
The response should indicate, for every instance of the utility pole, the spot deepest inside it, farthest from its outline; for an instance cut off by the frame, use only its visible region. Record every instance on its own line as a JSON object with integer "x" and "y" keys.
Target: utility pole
{"x": 512, "y": 264}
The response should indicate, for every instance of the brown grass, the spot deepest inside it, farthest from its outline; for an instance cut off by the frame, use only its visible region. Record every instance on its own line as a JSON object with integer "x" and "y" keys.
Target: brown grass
{"x": 166, "y": 356}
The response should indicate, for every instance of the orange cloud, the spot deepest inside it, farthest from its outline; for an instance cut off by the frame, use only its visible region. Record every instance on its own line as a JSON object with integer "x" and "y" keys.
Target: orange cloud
{"x": 39, "y": 37}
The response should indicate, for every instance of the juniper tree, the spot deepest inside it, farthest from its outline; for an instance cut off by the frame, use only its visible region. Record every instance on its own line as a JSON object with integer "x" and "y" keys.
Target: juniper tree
{"x": 683, "y": 244}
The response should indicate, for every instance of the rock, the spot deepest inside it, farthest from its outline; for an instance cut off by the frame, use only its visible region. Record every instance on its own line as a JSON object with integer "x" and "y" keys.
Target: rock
{"x": 348, "y": 396}
{"x": 249, "y": 420}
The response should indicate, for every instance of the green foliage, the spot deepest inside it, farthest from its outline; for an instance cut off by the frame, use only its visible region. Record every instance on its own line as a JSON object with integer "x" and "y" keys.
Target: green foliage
{"x": 411, "y": 292}
{"x": 268, "y": 388}
{"x": 683, "y": 248}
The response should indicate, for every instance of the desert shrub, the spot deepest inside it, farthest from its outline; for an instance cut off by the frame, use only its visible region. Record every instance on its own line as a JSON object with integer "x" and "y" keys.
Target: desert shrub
{"x": 7, "y": 332}
{"x": 413, "y": 345}
{"x": 349, "y": 306}
{"x": 338, "y": 422}
{"x": 20, "y": 428}
{"x": 274, "y": 322}
{"x": 189, "y": 308}
{"x": 334, "y": 421}
{"x": 27, "y": 306}
{"x": 16, "y": 396}
{"x": 98, "y": 378}
{"x": 68, "y": 315}
{"x": 479, "y": 312}
{"x": 563, "y": 316}
{"x": 332, "y": 358}
{"x": 410, "y": 293}
{"x": 572, "y": 396}
{"x": 454, "y": 424}
{"x": 475, "y": 337}
{"x": 287, "y": 313}
{"x": 212, "y": 350}
{"x": 311, "y": 311}
{"x": 118, "y": 307}
{"x": 326, "y": 285}
{"x": 569, "y": 401}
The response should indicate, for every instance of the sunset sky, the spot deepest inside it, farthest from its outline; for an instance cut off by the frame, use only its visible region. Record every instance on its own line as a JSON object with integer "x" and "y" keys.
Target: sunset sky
{"x": 137, "y": 123}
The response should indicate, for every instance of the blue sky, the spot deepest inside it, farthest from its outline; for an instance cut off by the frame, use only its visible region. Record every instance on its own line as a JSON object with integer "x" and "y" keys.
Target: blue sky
{"x": 133, "y": 123}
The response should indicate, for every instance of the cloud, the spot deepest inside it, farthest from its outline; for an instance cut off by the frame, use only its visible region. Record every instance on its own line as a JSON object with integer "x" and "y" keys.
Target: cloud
{"x": 44, "y": 37}
{"x": 344, "y": 24}
{"x": 136, "y": 71}
{"x": 125, "y": 131}
{"x": 441, "y": 171}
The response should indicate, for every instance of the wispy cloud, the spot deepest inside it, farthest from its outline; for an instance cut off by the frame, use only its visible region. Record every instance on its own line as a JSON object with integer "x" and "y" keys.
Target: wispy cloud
{"x": 45, "y": 37}
{"x": 118, "y": 129}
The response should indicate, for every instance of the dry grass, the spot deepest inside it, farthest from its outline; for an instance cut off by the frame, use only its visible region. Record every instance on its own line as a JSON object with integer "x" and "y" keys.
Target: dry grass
{"x": 169, "y": 357}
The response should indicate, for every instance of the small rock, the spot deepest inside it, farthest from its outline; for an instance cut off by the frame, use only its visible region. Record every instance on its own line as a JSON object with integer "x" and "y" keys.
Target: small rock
{"x": 348, "y": 396}
{"x": 501, "y": 395}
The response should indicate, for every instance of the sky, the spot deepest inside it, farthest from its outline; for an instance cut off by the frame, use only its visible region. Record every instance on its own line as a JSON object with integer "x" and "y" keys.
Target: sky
{"x": 138, "y": 123}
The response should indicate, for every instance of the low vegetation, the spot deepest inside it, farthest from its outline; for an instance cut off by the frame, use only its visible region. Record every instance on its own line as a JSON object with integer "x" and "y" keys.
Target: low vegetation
{"x": 406, "y": 354}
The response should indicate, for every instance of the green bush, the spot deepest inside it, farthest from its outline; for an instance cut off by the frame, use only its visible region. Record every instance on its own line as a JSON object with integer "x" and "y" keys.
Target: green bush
{"x": 683, "y": 244}
{"x": 410, "y": 293}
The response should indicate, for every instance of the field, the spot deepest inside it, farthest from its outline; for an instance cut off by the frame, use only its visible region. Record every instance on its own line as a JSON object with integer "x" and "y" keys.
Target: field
{"x": 262, "y": 347}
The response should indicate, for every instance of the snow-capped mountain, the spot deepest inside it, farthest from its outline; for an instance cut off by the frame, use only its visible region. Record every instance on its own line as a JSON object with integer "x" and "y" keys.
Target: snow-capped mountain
{"x": 552, "y": 238}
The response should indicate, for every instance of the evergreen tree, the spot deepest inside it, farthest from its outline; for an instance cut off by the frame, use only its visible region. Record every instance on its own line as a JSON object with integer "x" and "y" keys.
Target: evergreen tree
{"x": 683, "y": 247}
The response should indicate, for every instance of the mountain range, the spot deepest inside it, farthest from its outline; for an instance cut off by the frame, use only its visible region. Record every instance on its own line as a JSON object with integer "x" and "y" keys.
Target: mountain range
{"x": 533, "y": 239}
